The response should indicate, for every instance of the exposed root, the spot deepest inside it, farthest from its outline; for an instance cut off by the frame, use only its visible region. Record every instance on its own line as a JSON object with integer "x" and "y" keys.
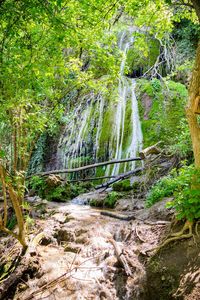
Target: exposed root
{"x": 196, "y": 228}
{"x": 175, "y": 238}
{"x": 179, "y": 235}
{"x": 187, "y": 226}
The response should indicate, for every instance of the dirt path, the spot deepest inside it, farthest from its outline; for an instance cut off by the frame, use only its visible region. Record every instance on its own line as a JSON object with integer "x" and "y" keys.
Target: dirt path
{"x": 79, "y": 255}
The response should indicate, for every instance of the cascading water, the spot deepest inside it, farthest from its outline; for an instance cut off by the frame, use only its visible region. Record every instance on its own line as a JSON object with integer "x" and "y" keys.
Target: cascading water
{"x": 126, "y": 86}
{"x": 83, "y": 140}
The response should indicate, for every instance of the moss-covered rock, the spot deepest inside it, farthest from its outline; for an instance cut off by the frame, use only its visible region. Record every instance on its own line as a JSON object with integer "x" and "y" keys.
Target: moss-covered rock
{"x": 121, "y": 186}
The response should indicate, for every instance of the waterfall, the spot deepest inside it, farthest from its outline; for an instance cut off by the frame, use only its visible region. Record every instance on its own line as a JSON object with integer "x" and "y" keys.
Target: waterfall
{"x": 83, "y": 138}
{"x": 137, "y": 137}
{"x": 125, "y": 86}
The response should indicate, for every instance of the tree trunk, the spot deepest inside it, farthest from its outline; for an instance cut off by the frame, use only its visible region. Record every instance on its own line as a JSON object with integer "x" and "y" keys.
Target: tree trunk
{"x": 196, "y": 5}
{"x": 194, "y": 96}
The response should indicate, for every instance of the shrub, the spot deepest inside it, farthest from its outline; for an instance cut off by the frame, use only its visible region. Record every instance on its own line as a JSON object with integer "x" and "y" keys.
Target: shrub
{"x": 184, "y": 186}
{"x": 187, "y": 195}
{"x": 165, "y": 187}
{"x": 111, "y": 199}
{"x": 123, "y": 185}
{"x": 38, "y": 185}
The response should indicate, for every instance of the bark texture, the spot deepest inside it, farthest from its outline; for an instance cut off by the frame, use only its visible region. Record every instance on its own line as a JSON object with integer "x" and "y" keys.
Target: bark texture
{"x": 194, "y": 93}
{"x": 196, "y": 4}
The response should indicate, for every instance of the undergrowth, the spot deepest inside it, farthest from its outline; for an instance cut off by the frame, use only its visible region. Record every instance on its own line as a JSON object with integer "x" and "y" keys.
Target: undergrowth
{"x": 62, "y": 192}
{"x": 184, "y": 186}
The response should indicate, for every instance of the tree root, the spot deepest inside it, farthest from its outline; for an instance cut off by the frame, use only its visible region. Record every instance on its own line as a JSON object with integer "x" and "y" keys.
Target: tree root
{"x": 178, "y": 235}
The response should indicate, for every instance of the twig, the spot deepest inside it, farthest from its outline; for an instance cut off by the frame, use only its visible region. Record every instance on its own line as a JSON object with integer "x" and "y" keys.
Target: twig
{"x": 138, "y": 235}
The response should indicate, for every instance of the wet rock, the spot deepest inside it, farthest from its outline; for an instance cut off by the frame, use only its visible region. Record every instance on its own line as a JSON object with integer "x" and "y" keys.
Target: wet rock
{"x": 129, "y": 204}
{"x": 72, "y": 248}
{"x": 64, "y": 235}
{"x": 157, "y": 212}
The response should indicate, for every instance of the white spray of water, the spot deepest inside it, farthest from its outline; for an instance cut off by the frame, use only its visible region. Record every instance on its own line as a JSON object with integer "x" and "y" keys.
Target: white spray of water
{"x": 72, "y": 145}
{"x": 125, "y": 86}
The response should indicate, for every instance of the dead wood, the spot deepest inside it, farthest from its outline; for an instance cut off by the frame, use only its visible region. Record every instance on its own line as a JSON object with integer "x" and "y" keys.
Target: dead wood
{"x": 23, "y": 264}
{"x": 150, "y": 150}
{"x": 119, "y": 178}
{"x": 117, "y": 216}
{"x": 121, "y": 257}
{"x": 133, "y": 217}
{"x": 105, "y": 163}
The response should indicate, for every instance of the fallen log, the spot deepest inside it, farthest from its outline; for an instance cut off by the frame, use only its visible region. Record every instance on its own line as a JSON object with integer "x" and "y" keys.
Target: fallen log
{"x": 133, "y": 217}
{"x": 117, "y": 216}
{"x": 150, "y": 150}
{"x": 121, "y": 257}
{"x": 105, "y": 163}
{"x": 91, "y": 178}
{"x": 119, "y": 177}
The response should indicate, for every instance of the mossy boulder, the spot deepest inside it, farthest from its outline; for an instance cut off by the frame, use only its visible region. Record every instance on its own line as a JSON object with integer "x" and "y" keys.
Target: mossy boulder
{"x": 122, "y": 186}
{"x": 108, "y": 200}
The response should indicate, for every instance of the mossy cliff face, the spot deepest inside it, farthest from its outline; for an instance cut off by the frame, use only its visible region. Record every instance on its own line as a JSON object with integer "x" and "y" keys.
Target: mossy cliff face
{"x": 109, "y": 124}
{"x": 162, "y": 111}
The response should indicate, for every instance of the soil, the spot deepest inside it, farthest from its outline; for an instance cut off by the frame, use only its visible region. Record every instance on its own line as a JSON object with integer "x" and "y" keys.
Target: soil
{"x": 84, "y": 255}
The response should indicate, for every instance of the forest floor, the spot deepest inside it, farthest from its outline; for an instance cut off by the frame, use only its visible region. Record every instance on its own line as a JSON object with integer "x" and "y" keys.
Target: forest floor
{"x": 83, "y": 255}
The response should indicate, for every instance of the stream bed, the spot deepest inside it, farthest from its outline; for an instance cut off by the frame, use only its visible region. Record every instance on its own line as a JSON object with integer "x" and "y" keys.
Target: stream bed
{"x": 79, "y": 255}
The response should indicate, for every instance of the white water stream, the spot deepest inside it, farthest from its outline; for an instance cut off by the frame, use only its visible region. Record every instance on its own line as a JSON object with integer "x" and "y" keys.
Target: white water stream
{"x": 126, "y": 86}
{"x": 81, "y": 138}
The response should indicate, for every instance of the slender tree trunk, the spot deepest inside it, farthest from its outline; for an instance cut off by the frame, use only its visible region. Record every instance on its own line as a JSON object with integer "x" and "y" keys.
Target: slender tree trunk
{"x": 19, "y": 215}
{"x": 193, "y": 117}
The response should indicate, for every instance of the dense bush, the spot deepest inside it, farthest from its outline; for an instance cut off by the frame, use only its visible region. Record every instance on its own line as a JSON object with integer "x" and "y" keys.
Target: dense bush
{"x": 164, "y": 187}
{"x": 184, "y": 186}
{"x": 111, "y": 199}
{"x": 62, "y": 192}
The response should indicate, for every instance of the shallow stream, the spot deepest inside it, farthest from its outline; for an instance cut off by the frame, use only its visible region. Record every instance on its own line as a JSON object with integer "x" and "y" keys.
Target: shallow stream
{"x": 79, "y": 255}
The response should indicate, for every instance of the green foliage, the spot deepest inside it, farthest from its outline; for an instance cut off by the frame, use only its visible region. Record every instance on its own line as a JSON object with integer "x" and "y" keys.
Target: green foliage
{"x": 162, "y": 113}
{"x": 164, "y": 187}
{"x": 186, "y": 34}
{"x": 123, "y": 185}
{"x": 111, "y": 199}
{"x": 38, "y": 185}
{"x": 184, "y": 186}
{"x": 58, "y": 194}
{"x": 187, "y": 194}
{"x": 182, "y": 141}
{"x": 11, "y": 223}
{"x": 142, "y": 54}
{"x": 61, "y": 193}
